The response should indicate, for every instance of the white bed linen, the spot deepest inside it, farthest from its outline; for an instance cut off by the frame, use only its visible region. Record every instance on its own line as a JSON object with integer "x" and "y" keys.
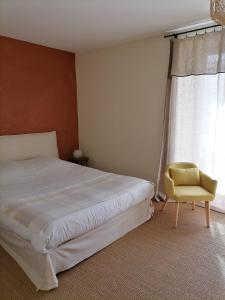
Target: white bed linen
{"x": 42, "y": 268}
{"x": 50, "y": 201}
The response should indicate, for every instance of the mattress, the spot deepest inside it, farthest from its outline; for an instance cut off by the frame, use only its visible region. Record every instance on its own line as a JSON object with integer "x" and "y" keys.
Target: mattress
{"x": 49, "y": 201}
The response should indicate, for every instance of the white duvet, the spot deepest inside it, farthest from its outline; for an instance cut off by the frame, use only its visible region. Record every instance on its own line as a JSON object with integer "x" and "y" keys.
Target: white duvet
{"x": 49, "y": 201}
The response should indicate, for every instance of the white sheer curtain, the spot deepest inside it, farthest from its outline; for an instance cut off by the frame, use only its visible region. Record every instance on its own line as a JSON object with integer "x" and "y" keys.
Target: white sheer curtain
{"x": 196, "y": 130}
{"x": 197, "y": 123}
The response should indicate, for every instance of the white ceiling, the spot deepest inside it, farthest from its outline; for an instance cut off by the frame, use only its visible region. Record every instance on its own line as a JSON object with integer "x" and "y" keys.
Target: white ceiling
{"x": 77, "y": 25}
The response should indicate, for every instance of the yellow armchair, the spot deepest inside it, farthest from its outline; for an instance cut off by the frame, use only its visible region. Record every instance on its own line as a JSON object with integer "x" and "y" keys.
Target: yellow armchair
{"x": 184, "y": 182}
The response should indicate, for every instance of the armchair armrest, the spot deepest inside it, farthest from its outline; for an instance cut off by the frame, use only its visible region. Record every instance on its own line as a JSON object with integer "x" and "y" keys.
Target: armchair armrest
{"x": 168, "y": 185}
{"x": 208, "y": 183}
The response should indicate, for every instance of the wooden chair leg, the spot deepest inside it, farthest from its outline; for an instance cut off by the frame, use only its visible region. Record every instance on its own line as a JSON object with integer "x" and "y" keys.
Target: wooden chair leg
{"x": 164, "y": 203}
{"x": 177, "y": 213}
{"x": 207, "y": 212}
{"x": 193, "y": 205}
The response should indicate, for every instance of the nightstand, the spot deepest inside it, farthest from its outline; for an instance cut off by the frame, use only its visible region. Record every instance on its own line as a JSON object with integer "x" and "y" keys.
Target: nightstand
{"x": 83, "y": 161}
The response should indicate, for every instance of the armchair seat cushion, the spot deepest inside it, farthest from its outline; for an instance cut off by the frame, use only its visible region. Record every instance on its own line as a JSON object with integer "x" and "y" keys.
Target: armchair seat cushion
{"x": 192, "y": 193}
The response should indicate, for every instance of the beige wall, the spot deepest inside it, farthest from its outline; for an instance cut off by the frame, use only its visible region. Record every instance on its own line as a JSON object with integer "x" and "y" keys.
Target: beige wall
{"x": 121, "y": 92}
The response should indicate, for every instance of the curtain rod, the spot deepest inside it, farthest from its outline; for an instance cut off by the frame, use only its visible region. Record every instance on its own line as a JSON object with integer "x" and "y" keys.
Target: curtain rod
{"x": 189, "y": 31}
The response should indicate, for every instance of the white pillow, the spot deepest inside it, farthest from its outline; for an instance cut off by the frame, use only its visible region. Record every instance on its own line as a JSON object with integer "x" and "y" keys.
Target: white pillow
{"x": 25, "y": 146}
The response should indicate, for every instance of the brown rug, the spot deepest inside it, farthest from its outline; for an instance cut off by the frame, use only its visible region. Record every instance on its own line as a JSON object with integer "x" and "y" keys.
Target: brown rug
{"x": 153, "y": 261}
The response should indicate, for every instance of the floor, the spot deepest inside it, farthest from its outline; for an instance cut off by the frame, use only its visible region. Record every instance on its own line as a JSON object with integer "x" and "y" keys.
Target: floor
{"x": 219, "y": 203}
{"x": 153, "y": 261}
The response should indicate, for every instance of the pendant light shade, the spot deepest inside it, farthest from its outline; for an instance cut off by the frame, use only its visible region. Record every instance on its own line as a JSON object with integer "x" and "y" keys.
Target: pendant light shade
{"x": 218, "y": 11}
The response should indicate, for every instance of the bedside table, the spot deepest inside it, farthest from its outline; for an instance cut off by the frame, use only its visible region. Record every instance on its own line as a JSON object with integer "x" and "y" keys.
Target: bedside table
{"x": 83, "y": 161}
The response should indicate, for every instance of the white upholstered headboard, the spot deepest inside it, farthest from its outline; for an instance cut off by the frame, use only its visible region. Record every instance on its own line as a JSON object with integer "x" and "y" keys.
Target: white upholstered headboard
{"x": 25, "y": 146}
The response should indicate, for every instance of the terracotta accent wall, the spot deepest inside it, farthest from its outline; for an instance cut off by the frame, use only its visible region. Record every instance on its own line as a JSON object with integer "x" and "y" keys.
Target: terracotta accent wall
{"x": 38, "y": 92}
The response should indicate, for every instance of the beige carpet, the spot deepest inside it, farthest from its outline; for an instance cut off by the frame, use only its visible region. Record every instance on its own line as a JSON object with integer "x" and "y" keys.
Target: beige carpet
{"x": 152, "y": 262}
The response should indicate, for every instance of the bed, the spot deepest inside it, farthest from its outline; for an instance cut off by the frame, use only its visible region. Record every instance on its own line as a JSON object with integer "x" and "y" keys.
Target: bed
{"x": 54, "y": 214}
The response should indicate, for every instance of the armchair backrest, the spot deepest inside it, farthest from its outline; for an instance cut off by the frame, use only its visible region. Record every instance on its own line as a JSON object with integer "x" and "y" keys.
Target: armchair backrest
{"x": 181, "y": 165}
{"x": 188, "y": 177}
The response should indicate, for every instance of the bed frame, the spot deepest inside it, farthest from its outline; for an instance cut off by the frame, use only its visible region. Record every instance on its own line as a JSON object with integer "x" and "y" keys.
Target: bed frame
{"x": 42, "y": 268}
